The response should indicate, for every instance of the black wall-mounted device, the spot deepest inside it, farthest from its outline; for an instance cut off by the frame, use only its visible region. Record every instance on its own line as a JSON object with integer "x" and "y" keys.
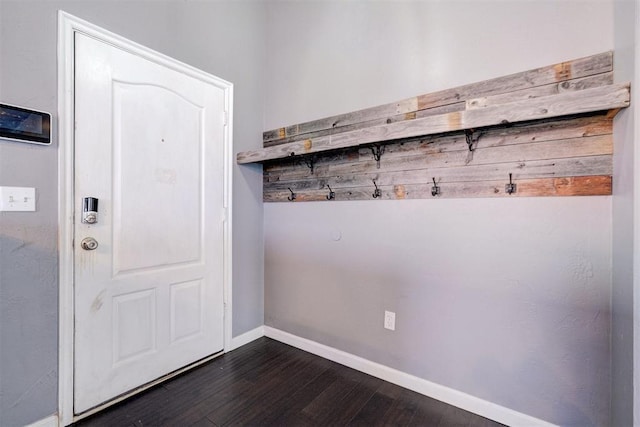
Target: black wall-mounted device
{"x": 24, "y": 125}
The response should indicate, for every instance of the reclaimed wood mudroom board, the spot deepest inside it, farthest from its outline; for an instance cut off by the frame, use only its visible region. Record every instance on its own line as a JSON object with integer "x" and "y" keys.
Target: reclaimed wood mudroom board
{"x": 576, "y": 127}
{"x": 604, "y": 98}
{"x": 562, "y": 158}
{"x": 451, "y": 161}
{"x": 599, "y": 185}
{"x": 542, "y": 132}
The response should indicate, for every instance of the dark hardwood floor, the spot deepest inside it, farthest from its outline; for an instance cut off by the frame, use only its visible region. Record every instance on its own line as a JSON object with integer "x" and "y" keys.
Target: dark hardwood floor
{"x": 267, "y": 383}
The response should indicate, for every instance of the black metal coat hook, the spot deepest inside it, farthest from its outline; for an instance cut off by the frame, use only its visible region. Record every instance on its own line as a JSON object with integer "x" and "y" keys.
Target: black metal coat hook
{"x": 469, "y": 133}
{"x": 377, "y": 193}
{"x": 435, "y": 190}
{"x": 310, "y": 162}
{"x": 510, "y": 188}
{"x": 332, "y": 194}
{"x": 292, "y": 197}
{"x": 377, "y": 151}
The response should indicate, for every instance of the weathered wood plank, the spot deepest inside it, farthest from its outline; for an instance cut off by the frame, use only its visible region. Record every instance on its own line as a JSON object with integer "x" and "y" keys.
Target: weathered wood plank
{"x": 538, "y": 91}
{"x": 537, "y": 132}
{"x": 584, "y": 101}
{"x": 582, "y": 67}
{"x": 578, "y": 166}
{"x": 459, "y": 106}
{"x": 568, "y": 186}
{"x": 368, "y": 114}
{"x": 518, "y": 134}
{"x": 561, "y": 186}
{"x": 575, "y": 147}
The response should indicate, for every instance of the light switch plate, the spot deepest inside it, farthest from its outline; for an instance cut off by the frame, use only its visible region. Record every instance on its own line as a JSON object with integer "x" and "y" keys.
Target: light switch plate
{"x": 17, "y": 199}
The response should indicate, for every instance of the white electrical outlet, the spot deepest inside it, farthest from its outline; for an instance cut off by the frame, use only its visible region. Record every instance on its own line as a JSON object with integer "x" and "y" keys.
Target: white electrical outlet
{"x": 17, "y": 199}
{"x": 390, "y": 320}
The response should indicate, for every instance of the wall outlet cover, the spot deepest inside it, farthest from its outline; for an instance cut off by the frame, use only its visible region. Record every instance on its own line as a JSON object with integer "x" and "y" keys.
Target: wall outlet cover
{"x": 390, "y": 320}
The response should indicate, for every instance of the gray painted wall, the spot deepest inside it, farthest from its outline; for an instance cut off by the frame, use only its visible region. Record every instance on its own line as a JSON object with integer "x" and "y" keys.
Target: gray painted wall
{"x": 624, "y": 249}
{"x": 224, "y": 38}
{"x": 507, "y": 299}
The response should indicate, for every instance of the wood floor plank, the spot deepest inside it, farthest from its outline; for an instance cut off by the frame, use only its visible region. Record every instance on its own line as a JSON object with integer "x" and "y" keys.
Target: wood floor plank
{"x": 267, "y": 383}
{"x": 295, "y": 399}
{"x": 252, "y": 399}
{"x": 274, "y": 397}
{"x": 194, "y": 402}
{"x": 403, "y": 409}
{"x": 131, "y": 411}
{"x": 231, "y": 391}
{"x": 373, "y": 411}
{"x": 202, "y": 409}
{"x": 347, "y": 395}
{"x": 428, "y": 412}
{"x": 455, "y": 417}
{"x": 204, "y": 422}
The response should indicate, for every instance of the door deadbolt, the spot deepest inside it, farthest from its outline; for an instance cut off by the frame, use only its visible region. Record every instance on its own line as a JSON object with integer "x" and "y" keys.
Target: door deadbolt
{"x": 89, "y": 244}
{"x": 90, "y": 210}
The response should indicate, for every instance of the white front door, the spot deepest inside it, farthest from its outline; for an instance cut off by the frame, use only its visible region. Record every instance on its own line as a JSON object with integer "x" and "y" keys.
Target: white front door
{"x": 149, "y": 145}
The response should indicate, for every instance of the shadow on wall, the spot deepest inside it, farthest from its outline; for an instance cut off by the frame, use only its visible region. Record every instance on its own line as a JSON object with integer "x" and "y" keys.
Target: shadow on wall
{"x": 28, "y": 372}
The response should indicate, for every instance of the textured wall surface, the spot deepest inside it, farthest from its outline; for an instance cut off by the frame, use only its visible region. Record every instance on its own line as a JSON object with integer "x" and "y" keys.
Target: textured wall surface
{"x": 624, "y": 198}
{"x": 507, "y": 300}
{"x": 223, "y": 38}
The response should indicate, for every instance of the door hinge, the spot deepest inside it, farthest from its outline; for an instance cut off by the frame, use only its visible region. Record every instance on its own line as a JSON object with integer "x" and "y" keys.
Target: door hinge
{"x": 225, "y": 118}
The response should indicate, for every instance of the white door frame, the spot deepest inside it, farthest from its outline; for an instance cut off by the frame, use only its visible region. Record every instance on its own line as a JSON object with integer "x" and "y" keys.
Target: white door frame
{"x": 68, "y": 25}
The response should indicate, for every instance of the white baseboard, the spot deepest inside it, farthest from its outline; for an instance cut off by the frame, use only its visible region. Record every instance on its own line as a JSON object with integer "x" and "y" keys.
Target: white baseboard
{"x": 51, "y": 421}
{"x": 246, "y": 338}
{"x": 445, "y": 394}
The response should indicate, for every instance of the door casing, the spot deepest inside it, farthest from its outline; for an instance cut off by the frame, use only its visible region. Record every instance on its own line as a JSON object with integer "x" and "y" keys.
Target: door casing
{"x": 68, "y": 25}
